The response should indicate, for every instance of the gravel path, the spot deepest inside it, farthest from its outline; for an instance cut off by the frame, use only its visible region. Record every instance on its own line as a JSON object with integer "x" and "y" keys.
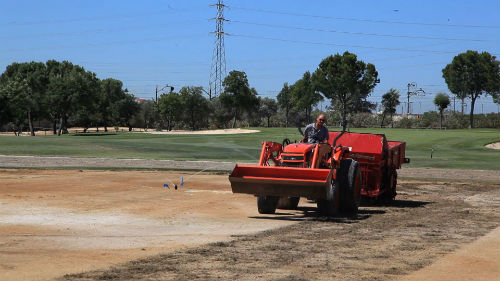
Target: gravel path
{"x": 7, "y": 161}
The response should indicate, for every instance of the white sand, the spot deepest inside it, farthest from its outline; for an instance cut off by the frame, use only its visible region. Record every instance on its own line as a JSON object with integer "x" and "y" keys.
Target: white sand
{"x": 204, "y": 132}
{"x": 495, "y": 145}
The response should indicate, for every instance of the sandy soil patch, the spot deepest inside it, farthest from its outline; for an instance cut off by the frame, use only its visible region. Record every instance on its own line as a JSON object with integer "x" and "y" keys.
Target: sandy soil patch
{"x": 55, "y": 222}
{"x": 495, "y": 145}
{"x": 464, "y": 263}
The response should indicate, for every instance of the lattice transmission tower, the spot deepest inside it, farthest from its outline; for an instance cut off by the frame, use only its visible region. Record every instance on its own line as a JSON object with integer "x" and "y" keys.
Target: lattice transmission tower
{"x": 218, "y": 69}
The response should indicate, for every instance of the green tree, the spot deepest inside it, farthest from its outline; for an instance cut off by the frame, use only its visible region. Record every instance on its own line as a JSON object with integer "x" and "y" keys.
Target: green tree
{"x": 5, "y": 115}
{"x": 345, "y": 80}
{"x": 268, "y": 108}
{"x": 14, "y": 91}
{"x": 145, "y": 118}
{"x": 390, "y": 101}
{"x": 219, "y": 115}
{"x": 442, "y": 101}
{"x": 285, "y": 101}
{"x": 496, "y": 98}
{"x": 86, "y": 116}
{"x": 237, "y": 96}
{"x": 27, "y": 88}
{"x": 170, "y": 107}
{"x": 69, "y": 88}
{"x": 472, "y": 74}
{"x": 304, "y": 96}
{"x": 127, "y": 108}
{"x": 195, "y": 106}
{"x": 110, "y": 94}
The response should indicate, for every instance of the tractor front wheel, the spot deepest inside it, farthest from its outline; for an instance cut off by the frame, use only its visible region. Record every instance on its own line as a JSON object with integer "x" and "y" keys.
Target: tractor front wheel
{"x": 330, "y": 206}
{"x": 267, "y": 204}
{"x": 350, "y": 186}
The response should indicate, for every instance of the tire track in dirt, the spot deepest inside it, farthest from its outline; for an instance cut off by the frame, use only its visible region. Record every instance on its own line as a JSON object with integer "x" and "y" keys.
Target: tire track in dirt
{"x": 428, "y": 220}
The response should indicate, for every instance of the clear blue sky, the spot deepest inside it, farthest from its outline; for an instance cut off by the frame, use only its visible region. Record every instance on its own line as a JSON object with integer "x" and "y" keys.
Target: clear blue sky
{"x": 149, "y": 43}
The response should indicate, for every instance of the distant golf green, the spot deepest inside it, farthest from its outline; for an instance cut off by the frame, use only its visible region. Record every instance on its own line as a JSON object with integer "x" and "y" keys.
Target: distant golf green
{"x": 456, "y": 149}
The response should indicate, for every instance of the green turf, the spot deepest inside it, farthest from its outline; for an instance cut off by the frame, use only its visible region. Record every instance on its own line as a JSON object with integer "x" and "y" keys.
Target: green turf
{"x": 457, "y": 149}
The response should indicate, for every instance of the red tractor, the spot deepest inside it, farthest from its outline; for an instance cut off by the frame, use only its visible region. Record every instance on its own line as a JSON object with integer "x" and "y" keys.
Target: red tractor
{"x": 336, "y": 176}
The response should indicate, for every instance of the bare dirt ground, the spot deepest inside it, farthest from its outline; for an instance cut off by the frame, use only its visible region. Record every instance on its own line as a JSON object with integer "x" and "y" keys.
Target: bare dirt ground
{"x": 55, "y": 222}
{"x": 482, "y": 254}
{"x": 126, "y": 225}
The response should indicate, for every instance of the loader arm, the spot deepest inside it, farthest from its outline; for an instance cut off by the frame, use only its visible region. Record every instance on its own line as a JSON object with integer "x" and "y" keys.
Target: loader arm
{"x": 268, "y": 148}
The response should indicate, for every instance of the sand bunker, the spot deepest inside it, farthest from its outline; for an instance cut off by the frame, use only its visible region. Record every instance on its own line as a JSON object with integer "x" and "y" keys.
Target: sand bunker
{"x": 495, "y": 145}
{"x": 205, "y": 132}
{"x": 74, "y": 130}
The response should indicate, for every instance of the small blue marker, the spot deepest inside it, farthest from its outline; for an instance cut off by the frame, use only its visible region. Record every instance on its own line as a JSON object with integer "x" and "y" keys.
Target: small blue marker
{"x": 165, "y": 186}
{"x": 182, "y": 181}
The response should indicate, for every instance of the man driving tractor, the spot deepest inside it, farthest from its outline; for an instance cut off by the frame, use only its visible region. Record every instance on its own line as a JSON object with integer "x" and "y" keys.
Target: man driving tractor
{"x": 316, "y": 132}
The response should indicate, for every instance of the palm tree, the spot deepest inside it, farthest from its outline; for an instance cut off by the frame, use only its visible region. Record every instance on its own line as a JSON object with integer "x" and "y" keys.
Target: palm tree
{"x": 441, "y": 101}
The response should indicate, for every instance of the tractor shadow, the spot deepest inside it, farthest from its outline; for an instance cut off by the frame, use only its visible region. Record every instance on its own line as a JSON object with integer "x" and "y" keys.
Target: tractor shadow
{"x": 306, "y": 213}
{"x": 312, "y": 214}
{"x": 397, "y": 204}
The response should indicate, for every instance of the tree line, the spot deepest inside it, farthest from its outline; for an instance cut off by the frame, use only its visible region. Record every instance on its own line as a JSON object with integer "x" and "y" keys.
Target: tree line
{"x": 63, "y": 93}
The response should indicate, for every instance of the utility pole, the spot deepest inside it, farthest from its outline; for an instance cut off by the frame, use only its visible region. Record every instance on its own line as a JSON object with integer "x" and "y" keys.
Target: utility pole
{"x": 412, "y": 93}
{"x": 218, "y": 69}
{"x": 157, "y": 91}
{"x": 158, "y": 123}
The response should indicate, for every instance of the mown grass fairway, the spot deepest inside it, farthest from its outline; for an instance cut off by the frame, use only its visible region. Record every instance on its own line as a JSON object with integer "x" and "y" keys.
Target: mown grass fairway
{"x": 456, "y": 149}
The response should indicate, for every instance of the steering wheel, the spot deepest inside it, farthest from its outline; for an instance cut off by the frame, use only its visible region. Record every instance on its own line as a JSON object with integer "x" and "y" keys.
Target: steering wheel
{"x": 286, "y": 142}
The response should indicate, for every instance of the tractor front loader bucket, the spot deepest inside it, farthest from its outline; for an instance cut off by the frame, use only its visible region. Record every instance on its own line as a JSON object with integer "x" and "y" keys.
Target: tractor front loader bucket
{"x": 281, "y": 181}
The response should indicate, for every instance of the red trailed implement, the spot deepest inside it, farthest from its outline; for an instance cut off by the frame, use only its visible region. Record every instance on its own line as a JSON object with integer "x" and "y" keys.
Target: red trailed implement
{"x": 334, "y": 174}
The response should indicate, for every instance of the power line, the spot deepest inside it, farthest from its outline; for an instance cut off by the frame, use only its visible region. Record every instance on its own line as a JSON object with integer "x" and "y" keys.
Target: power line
{"x": 363, "y": 33}
{"x": 156, "y": 39}
{"x": 366, "y": 20}
{"x": 100, "y": 30}
{"x": 343, "y": 45}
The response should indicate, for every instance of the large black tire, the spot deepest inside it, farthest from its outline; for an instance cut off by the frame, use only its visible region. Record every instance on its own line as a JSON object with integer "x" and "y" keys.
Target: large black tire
{"x": 267, "y": 204}
{"x": 350, "y": 182}
{"x": 288, "y": 203}
{"x": 330, "y": 206}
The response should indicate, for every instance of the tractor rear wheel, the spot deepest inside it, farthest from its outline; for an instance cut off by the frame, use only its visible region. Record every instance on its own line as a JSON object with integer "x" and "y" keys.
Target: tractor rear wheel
{"x": 288, "y": 203}
{"x": 267, "y": 204}
{"x": 350, "y": 186}
{"x": 330, "y": 206}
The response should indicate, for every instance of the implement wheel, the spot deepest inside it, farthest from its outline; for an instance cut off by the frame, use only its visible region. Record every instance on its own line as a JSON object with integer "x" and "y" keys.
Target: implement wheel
{"x": 330, "y": 206}
{"x": 267, "y": 204}
{"x": 288, "y": 203}
{"x": 388, "y": 196}
{"x": 350, "y": 186}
